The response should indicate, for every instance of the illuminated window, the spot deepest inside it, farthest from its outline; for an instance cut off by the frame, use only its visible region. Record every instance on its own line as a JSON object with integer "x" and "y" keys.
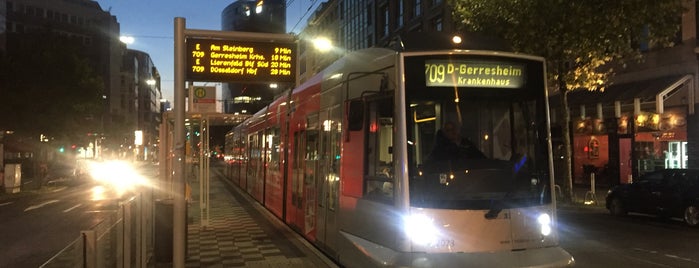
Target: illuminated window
{"x": 593, "y": 149}
{"x": 417, "y": 10}
{"x": 399, "y": 14}
{"x": 258, "y": 7}
{"x": 246, "y": 99}
{"x": 384, "y": 11}
{"x": 437, "y": 23}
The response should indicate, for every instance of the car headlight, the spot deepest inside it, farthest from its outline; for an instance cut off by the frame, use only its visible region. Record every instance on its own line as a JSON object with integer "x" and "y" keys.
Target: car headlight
{"x": 545, "y": 223}
{"x": 120, "y": 175}
{"x": 420, "y": 229}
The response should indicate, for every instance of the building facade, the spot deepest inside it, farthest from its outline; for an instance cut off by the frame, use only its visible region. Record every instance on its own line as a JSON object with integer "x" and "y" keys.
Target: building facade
{"x": 138, "y": 114}
{"x": 131, "y": 95}
{"x": 353, "y": 25}
{"x": 3, "y": 18}
{"x": 252, "y": 16}
{"x": 82, "y": 20}
{"x": 645, "y": 120}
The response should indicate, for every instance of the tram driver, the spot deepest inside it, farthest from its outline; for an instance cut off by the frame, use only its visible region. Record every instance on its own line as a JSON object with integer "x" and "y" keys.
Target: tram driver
{"x": 450, "y": 145}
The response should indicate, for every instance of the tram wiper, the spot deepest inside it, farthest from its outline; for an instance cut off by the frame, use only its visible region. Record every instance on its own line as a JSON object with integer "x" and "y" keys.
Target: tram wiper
{"x": 497, "y": 206}
{"x": 493, "y": 212}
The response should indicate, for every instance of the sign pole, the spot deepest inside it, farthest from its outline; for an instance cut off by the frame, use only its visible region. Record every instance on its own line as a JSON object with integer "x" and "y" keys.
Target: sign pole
{"x": 179, "y": 213}
{"x": 259, "y": 56}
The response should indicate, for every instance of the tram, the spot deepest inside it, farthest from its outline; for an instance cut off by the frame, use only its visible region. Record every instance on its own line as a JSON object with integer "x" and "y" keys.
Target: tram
{"x": 349, "y": 158}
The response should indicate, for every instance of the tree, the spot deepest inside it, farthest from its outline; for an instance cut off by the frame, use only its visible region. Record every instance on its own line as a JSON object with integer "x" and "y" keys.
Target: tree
{"x": 49, "y": 88}
{"x": 580, "y": 39}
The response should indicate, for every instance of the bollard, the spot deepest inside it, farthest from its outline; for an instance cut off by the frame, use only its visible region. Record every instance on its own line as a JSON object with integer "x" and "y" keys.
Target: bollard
{"x": 163, "y": 230}
{"x": 590, "y": 196}
{"x": 89, "y": 247}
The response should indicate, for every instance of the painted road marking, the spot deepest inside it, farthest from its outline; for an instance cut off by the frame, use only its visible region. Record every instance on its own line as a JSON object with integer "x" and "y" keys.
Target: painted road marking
{"x": 40, "y": 205}
{"x": 667, "y": 255}
{"x": 4, "y": 204}
{"x": 74, "y": 207}
{"x": 59, "y": 189}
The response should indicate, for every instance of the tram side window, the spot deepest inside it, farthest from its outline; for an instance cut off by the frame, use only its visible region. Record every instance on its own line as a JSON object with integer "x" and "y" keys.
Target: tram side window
{"x": 379, "y": 173}
{"x": 331, "y": 136}
{"x": 253, "y": 152}
{"x": 273, "y": 148}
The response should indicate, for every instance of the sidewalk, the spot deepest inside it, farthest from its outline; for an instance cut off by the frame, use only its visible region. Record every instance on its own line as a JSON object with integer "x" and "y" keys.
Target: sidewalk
{"x": 583, "y": 198}
{"x": 242, "y": 234}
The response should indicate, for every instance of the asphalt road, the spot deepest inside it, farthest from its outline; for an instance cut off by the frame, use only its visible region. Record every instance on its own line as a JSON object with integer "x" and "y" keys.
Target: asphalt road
{"x": 35, "y": 226}
{"x": 597, "y": 239}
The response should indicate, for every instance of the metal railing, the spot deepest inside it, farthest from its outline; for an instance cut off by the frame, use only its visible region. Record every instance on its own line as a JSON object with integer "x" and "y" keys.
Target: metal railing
{"x": 123, "y": 239}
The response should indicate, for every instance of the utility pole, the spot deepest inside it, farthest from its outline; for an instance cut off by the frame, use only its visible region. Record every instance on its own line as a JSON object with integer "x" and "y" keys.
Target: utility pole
{"x": 179, "y": 207}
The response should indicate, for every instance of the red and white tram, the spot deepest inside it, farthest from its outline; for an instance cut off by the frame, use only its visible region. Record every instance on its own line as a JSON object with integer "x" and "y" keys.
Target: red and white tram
{"x": 349, "y": 160}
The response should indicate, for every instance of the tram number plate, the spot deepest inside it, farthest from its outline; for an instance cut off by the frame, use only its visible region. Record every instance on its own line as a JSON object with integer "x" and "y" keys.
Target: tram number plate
{"x": 443, "y": 243}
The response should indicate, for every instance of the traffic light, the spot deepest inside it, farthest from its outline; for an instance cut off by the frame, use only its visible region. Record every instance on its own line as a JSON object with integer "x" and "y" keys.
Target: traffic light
{"x": 61, "y": 149}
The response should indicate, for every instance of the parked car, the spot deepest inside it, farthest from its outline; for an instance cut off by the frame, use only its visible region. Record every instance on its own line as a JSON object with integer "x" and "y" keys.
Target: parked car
{"x": 665, "y": 193}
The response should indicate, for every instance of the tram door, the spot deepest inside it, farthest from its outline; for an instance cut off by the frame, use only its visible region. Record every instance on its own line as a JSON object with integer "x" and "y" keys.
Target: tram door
{"x": 308, "y": 208}
{"x": 329, "y": 177}
{"x": 297, "y": 178}
{"x": 303, "y": 181}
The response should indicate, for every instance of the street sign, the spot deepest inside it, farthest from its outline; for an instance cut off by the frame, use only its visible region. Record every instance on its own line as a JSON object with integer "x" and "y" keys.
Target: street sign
{"x": 203, "y": 99}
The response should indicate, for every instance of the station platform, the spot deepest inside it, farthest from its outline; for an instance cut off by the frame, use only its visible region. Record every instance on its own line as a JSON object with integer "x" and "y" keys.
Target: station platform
{"x": 241, "y": 233}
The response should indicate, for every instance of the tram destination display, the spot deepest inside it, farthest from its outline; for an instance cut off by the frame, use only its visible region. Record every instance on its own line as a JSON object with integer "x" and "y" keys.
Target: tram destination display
{"x": 469, "y": 73}
{"x": 240, "y": 61}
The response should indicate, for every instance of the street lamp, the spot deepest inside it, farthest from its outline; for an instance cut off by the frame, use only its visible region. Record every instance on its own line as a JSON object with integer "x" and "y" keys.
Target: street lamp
{"x": 127, "y": 39}
{"x": 456, "y": 39}
{"x": 322, "y": 44}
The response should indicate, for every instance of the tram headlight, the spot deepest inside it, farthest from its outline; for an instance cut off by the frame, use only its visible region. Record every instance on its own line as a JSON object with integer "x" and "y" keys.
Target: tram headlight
{"x": 545, "y": 222}
{"x": 421, "y": 229}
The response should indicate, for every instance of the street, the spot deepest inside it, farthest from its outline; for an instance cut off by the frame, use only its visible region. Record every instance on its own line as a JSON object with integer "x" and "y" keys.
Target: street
{"x": 597, "y": 239}
{"x": 37, "y": 225}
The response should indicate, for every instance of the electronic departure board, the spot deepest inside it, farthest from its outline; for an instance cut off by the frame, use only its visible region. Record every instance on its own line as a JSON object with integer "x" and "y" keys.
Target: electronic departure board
{"x": 240, "y": 61}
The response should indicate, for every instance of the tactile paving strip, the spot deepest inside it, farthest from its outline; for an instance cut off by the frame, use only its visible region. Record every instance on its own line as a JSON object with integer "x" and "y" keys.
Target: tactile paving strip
{"x": 238, "y": 235}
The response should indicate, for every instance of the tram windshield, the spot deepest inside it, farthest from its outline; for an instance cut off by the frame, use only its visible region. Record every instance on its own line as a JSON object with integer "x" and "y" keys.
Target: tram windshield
{"x": 480, "y": 145}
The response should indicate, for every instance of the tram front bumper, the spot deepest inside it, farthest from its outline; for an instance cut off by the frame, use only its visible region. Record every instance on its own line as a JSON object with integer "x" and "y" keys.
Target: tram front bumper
{"x": 538, "y": 257}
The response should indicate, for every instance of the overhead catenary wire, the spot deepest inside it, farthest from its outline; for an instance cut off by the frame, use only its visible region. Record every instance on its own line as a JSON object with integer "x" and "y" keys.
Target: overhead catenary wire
{"x": 310, "y": 7}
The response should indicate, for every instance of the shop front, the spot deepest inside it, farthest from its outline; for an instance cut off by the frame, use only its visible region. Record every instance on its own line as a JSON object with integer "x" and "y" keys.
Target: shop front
{"x": 633, "y": 129}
